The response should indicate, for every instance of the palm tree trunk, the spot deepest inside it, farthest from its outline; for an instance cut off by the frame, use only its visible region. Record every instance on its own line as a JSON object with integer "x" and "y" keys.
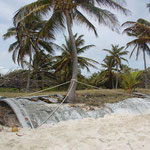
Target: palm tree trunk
{"x": 145, "y": 70}
{"x": 73, "y": 85}
{"x": 112, "y": 83}
{"x": 29, "y": 77}
{"x": 117, "y": 77}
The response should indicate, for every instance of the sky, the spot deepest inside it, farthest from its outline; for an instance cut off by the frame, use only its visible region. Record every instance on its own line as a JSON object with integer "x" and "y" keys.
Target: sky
{"x": 106, "y": 37}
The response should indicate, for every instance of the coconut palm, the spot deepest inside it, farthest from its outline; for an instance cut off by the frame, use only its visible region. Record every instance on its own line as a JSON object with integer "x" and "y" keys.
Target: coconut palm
{"x": 141, "y": 31}
{"x": 67, "y": 11}
{"x": 42, "y": 68}
{"x": 26, "y": 34}
{"x": 107, "y": 75}
{"x": 117, "y": 55}
{"x": 64, "y": 61}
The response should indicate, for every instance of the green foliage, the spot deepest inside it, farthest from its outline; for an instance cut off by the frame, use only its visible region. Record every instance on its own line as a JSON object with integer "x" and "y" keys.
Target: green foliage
{"x": 26, "y": 34}
{"x": 116, "y": 54}
{"x": 131, "y": 80}
{"x": 112, "y": 65}
{"x": 64, "y": 62}
{"x": 33, "y": 35}
{"x": 57, "y": 9}
{"x": 107, "y": 75}
{"x": 141, "y": 31}
{"x": 8, "y": 90}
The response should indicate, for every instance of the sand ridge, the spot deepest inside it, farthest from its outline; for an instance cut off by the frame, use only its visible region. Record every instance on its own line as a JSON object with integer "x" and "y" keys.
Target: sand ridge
{"x": 114, "y": 132}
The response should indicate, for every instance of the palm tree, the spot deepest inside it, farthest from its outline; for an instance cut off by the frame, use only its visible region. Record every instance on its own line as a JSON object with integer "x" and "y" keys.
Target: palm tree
{"x": 141, "y": 31}
{"x": 107, "y": 74}
{"x": 65, "y": 60}
{"x": 116, "y": 54}
{"x": 130, "y": 80}
{"x": 125, "y": 69}
{"x": 66, "y": 11}
{"x": 42, "y": 68}
{"x": 26, "y": 34}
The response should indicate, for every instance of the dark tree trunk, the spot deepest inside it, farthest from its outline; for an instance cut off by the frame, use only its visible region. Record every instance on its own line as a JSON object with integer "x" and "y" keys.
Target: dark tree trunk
{"x": 73, "y": 84}
{"x": 145, "y": 71}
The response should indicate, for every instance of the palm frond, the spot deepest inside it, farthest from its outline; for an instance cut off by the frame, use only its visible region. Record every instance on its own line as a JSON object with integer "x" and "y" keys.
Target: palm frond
{"x": 118, "y": 5}
{"x": 104, "y": 16}
{"x": 47, "y": 46}
{"x": 10, "y": 33}
{"x": 13, "y": 46}
{"x": 136, "y": 28}
{"x": 83, "y": 49}
{"x": 140, "y": 41}
{"x": 57, "y": 47}
{"x": 89, "y": 60}
{"x": 54, "y": 24}
{"x": 79, "y": 17}
{"x": 39, "y": 7}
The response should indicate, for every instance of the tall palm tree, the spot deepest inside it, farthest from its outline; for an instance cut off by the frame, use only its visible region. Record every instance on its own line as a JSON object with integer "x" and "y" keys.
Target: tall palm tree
{"x": 107, "y": 75}
{"x": 65, "y": 60}
{"x": 141, "y": 31}
{"x": 26, "y": 34}
{"x": 42, "y": 68}
{"x": 66, "y": 11}
{"x": 116, "y": 54}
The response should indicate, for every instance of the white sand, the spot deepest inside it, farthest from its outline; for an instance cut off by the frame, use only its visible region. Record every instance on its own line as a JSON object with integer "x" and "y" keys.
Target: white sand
{"x": 109, "y": 133}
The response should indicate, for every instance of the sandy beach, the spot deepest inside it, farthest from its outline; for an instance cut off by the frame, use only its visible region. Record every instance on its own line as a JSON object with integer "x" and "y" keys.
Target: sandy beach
{"x": 109, "y": 133}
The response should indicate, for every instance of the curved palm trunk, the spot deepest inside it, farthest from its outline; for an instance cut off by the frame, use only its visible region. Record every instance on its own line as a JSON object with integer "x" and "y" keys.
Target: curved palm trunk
{"x": 145, "y": 69}
{"x": 29, "y": 77}
{"x": 73, "y": 85}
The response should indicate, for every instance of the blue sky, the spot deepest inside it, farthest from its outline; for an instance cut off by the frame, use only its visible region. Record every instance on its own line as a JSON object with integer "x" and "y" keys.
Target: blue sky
{"x": 104, "y": 41}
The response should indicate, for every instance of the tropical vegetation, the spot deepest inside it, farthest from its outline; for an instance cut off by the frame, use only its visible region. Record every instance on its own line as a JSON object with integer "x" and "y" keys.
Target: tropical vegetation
{"x": 64, "y": 61}
{"x": 131, "y": 80}
{"x": 45, "y": 63}
{"x": 25, "y": 45}
{"x": 116, "y": 57}
{"x": 140, "y": 30}
{"x": 65, "y": 13}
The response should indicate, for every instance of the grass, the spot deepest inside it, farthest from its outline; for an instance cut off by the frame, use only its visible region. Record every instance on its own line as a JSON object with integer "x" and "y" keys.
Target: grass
{"x": 99, "y": 97}
{"x": 89, "y": 97}
{"x": 8, "y": 90}
{"x": 144, "y": 91}
{"x": 23, "y": 94}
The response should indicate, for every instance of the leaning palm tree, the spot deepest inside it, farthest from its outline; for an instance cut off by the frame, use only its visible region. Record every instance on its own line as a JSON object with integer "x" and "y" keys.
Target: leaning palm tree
{"x": 141, "y": 31}
{"x": 66, "y": 11}
{"x": 116, "y": 54}
{"x": 26, "y": 34}
{"x": 64, "y": 61}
